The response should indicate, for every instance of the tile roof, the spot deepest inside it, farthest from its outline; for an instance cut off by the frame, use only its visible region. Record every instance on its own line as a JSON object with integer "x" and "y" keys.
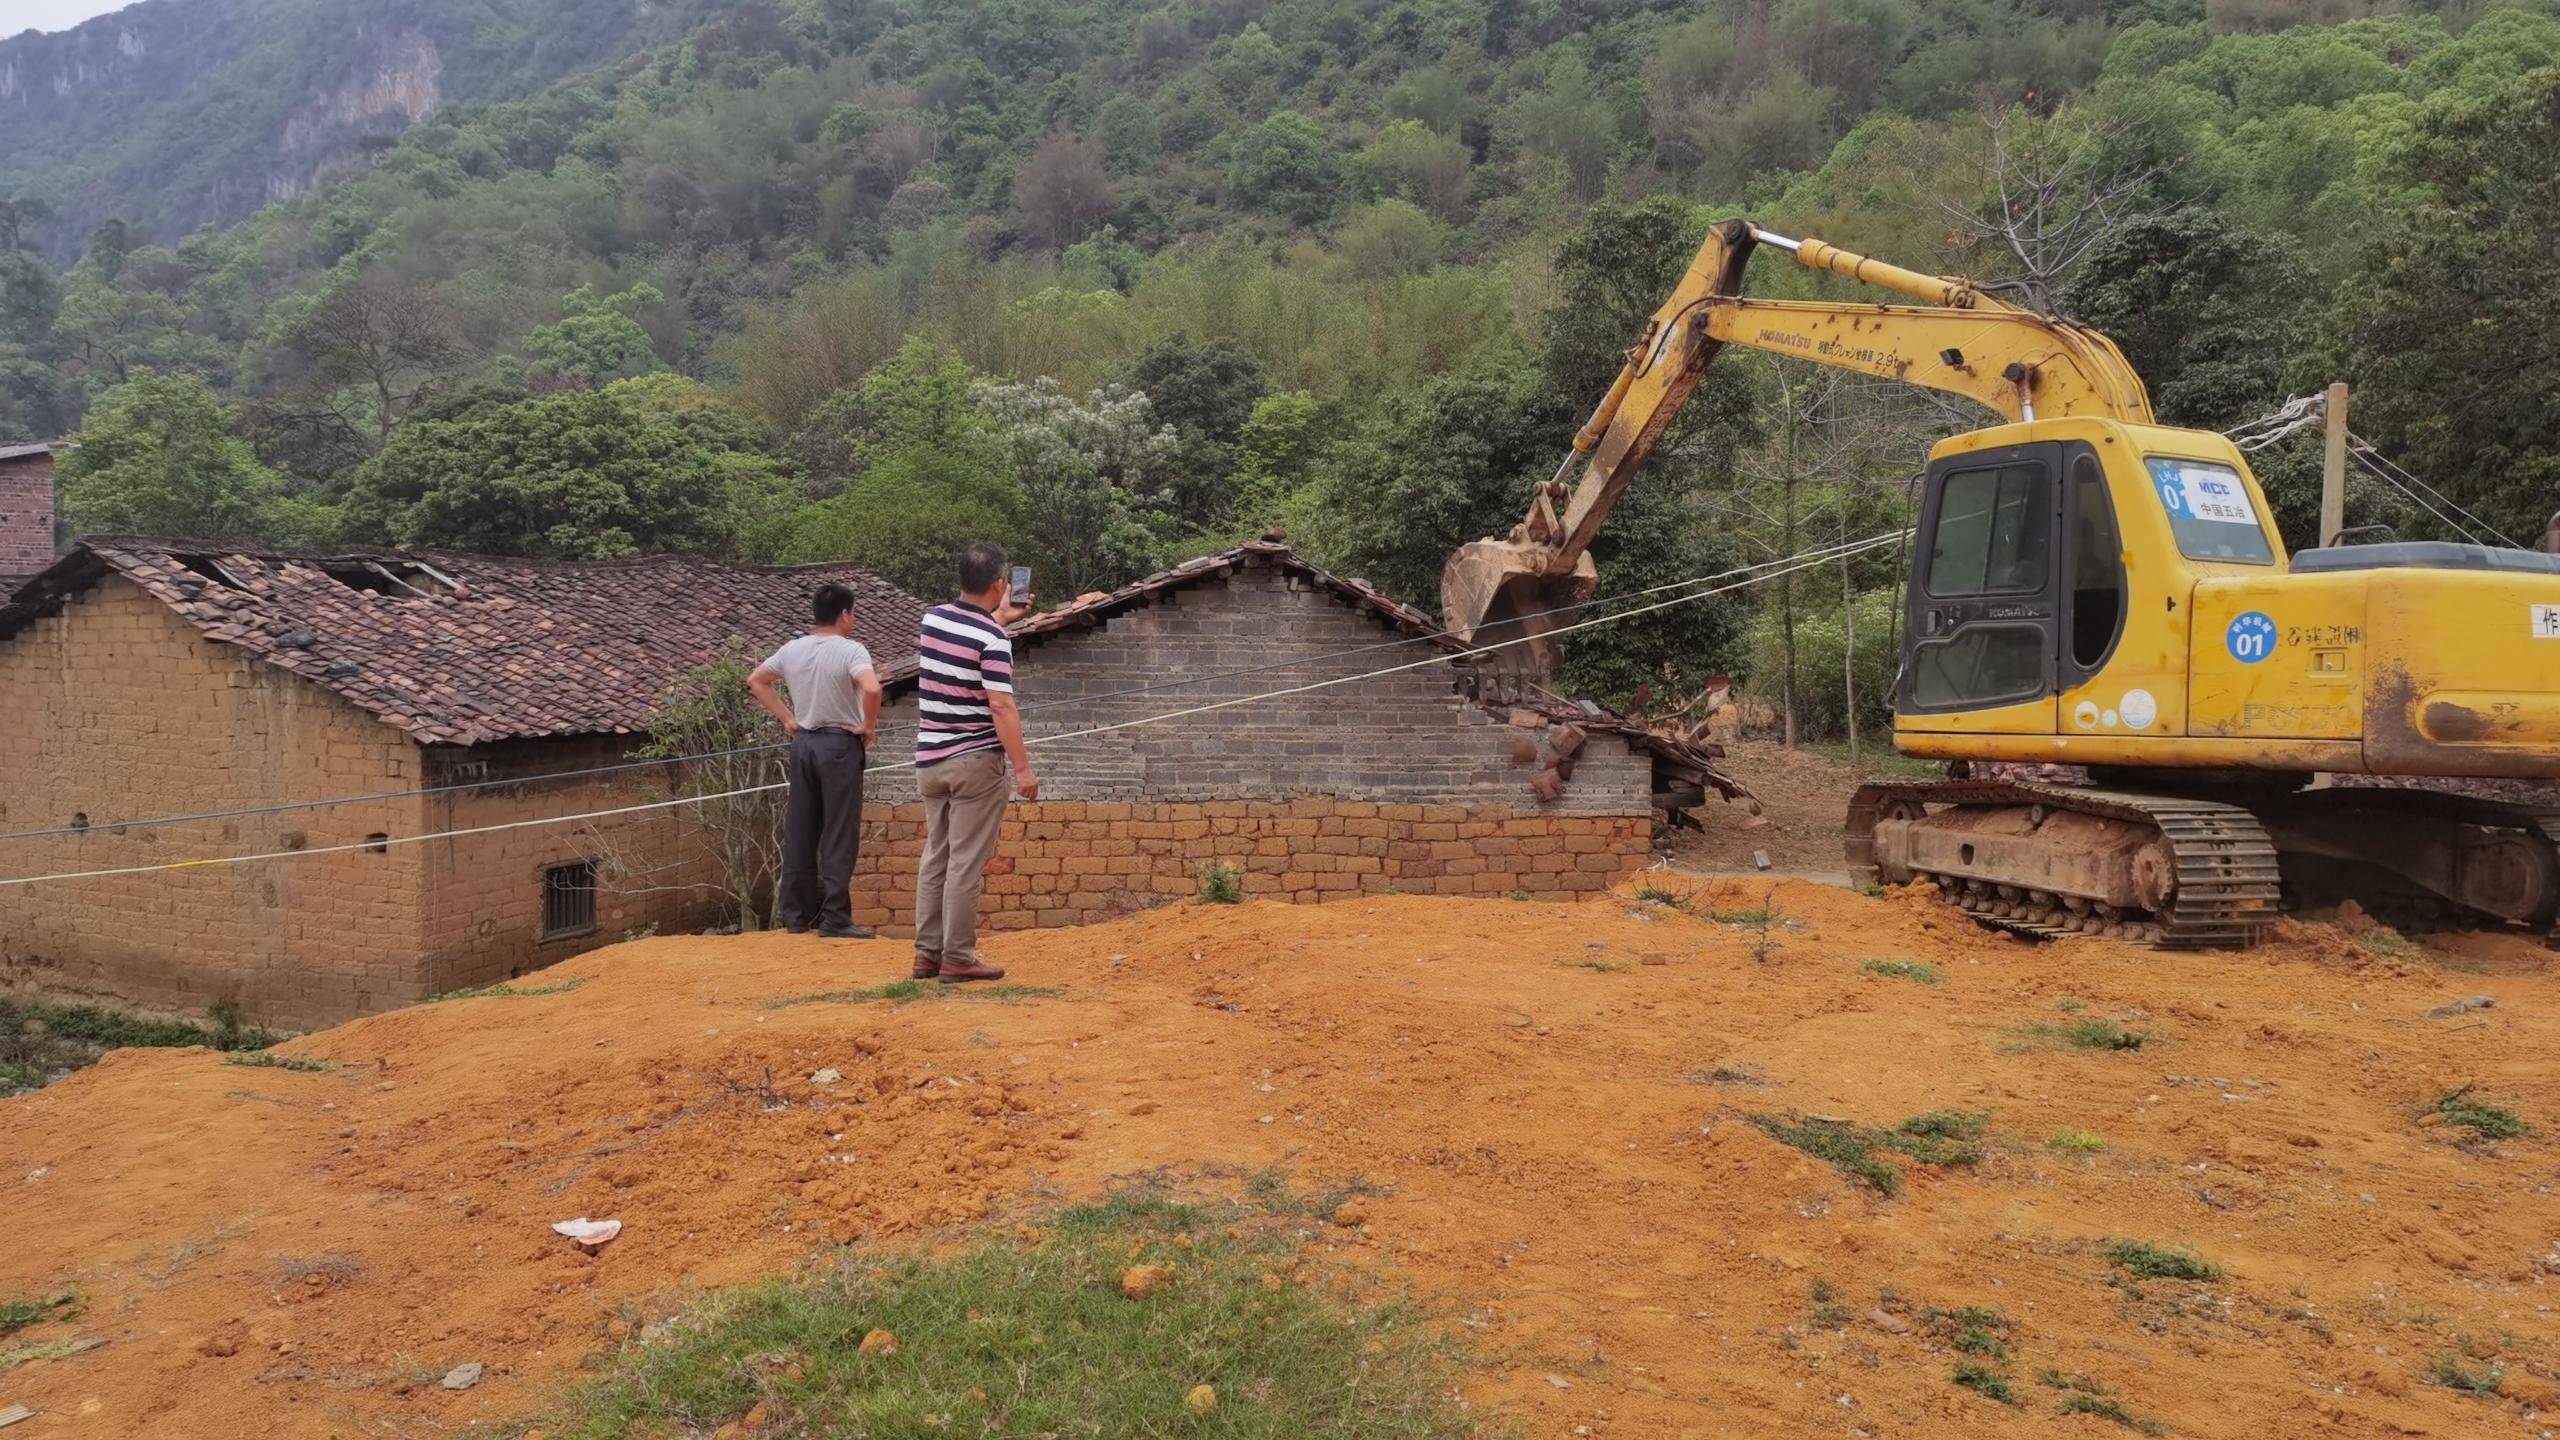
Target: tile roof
{"x": 1681, "y": 758}
{"x": 521, "y": 648}
{"x": 1360, "y": 594}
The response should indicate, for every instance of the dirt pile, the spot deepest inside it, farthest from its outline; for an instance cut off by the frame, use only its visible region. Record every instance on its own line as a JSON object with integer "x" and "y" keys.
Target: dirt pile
{"x": 1555, "y": 1101}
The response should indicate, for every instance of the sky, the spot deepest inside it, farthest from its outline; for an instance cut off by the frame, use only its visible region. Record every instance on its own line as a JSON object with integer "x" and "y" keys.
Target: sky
{"x": 18, "y": 15}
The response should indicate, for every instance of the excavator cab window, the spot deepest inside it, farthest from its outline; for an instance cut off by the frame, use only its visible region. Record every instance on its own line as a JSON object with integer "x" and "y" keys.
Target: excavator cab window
{"x": 1984, "y": 610}
{"x": 2096, "y": 570}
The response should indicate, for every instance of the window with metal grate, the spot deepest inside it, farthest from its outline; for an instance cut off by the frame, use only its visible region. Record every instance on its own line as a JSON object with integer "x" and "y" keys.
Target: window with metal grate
{"x": 568, "y": 900}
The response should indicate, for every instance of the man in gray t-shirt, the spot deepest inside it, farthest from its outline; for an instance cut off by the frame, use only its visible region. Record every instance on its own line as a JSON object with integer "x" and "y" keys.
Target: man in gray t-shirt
{"x": 835, "y": 704}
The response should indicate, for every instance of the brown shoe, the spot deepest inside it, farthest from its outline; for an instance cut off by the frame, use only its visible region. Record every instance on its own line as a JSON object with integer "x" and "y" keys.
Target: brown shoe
{"x": 927, "y": 967}
{"x": 955, "y": 972}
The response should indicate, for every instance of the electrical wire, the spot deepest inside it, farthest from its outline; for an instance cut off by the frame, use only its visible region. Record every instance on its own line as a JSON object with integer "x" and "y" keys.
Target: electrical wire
{"x": 467, "y": 787}
{"x": 1805, "y": 561}
{"x": 2374, "y": 456}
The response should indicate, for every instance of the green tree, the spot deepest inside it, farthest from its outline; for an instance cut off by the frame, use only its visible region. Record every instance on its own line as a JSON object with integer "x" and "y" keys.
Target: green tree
{"x": 1206, "y": 391}
{"x": 921, "y": 397}
{"x": 579, "y": 475}
{"x": 1410, "y": 161}
{"x": 2450, "y": 318}
{"x": 598, "y": 339}
{"x": 158, "y": 456}
{"x": 1284, "y": 166}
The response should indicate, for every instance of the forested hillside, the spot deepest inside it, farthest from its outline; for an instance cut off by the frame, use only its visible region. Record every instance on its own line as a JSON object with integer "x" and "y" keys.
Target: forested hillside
{"x": 175, "y": 113}
{"x": 1120, "y": 281}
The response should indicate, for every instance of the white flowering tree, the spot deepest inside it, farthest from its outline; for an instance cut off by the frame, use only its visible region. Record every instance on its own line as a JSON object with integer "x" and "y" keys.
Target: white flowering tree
{"x": 1093, "y": 475}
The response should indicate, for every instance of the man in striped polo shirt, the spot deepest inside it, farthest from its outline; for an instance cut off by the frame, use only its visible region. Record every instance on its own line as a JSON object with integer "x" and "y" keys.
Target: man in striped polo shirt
{"x": 967, "y": 729}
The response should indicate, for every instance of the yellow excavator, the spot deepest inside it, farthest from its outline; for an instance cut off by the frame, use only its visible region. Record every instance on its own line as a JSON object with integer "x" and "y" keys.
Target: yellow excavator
{"x": 2091, "y": 588}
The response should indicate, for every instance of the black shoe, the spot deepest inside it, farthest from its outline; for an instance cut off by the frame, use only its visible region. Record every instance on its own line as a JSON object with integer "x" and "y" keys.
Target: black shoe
{"x": 795, "y": 929}
{"x": 850, "y": 932}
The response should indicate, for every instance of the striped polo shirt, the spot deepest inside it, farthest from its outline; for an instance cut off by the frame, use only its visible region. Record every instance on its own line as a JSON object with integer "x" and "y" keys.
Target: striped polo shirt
{"x": 961, "y": 656}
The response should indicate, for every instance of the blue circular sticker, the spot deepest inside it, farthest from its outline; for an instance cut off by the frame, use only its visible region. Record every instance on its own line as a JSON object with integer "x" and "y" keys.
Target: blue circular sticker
{"x": 2251, "y": 638}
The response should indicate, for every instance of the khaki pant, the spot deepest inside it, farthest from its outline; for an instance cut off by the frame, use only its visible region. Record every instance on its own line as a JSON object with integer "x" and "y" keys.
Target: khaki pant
{"x": 963, "y": 809}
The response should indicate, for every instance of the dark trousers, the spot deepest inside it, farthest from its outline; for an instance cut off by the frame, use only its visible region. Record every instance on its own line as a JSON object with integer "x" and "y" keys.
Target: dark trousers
{"x": 821, "y": 829}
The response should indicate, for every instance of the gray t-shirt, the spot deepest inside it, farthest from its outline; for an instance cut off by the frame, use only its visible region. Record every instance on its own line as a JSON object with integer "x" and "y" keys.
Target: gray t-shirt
{"x": 820, "y": 671}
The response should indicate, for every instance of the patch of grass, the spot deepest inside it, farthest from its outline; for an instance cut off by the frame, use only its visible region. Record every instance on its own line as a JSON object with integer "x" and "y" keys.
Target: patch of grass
{"x": 1983, "y": 1380}
{"x": 906, "y": 991}
{"x": 17, "y": 1315}
{"x": 1037, "y": 1336}
{"x": 1849, "y": 1149}
{"x": 509, "y": 990}
{"x": 1824, "y": 1310}
{"x": 1271, "y": 1191}
{"x": 62, "y": 1349}
{"x": 2490, "y": 1122}
{"x": 2107, "y": 1408}
{"x": 1221, "y": 884}
{"x": 1942, "y": 1137}
{"x": 2075, "y": 1142}
{"x": 1519, "y": 895}
{"x": 1593, "y": 962}
{"x": 1974, "y": 1340}
{"x": 270, "y": 1060}
{"x": 16, "y": 1075}
{"x": 2152, "y": 1262}
{"x": 1902, "y": 970}
{"x": 104, "y": 1029}
{"x": 1656, "y": 895}
{"x": 2456, "y": 1371}
{"x": 1873, "y": 892}
{"x": 2086, "y": 1033}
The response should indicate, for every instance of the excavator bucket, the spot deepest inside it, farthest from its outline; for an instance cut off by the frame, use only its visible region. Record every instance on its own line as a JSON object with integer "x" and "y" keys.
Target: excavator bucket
{"x": 1498, "y": 593}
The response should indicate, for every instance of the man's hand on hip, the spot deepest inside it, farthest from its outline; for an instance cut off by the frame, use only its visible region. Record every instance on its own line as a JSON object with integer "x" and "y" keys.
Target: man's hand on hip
{"x": 790, "y": 728}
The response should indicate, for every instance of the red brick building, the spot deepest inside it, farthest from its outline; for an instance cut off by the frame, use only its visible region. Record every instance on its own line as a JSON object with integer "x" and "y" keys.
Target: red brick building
{"x": 143, "y": 678}
{"x": 27, "y": 513}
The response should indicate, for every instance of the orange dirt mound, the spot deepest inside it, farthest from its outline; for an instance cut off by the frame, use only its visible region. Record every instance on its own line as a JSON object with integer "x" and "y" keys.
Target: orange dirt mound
{"x": 1555, "y": 1098}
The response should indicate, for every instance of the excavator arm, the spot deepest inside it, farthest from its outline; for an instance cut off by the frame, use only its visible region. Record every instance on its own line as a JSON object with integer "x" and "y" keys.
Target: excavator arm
{"x": 2016, "y": 362}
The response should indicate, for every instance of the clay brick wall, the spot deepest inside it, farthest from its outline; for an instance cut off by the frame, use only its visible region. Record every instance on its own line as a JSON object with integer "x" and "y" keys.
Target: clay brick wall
{"x": 484, "y": 912}
{"x": 115, "y": 708}
{"x": 26, "y": 514}
{"x": 1389, "y": 782}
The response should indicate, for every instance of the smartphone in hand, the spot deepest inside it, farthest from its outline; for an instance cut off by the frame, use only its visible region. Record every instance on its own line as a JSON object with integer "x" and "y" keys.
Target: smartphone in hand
{"x": 1021, "y": 584}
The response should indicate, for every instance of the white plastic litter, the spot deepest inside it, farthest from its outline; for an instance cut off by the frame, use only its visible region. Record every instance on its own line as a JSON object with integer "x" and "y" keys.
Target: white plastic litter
{"x": 591, "y": 1234}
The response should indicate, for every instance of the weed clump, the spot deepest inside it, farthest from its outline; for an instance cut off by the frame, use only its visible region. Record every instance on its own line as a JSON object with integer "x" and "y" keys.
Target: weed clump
{"x": 2489, "y": 1122}
{"x": 509, "y": 990}
{"x": 2459, "y": 1372}
{"x": 269, "y": 1060}
{"x": 1985, "y": 1381}
{"x": 1221, "y": 884}
{"x": 2084, "y": 1033}
{"x": 2151, "y": 1262}
{"x": 1656, "y": 895}
{"x": 1902, "y": 970}
{"x": 2076, "y": 1142}
{"x": 1941, "y": 1137}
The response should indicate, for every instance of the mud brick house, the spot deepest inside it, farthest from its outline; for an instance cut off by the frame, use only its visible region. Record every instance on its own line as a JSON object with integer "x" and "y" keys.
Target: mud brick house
{"x": 1401, "y": 781}
{"x": 143, "y": 678}
{"x": 27, "y": 529}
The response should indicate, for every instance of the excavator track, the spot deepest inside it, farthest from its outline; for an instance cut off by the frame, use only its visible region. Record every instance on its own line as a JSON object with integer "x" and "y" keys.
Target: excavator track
{"x": 2226, "y": 882}
{"x": 2361, "y": 811}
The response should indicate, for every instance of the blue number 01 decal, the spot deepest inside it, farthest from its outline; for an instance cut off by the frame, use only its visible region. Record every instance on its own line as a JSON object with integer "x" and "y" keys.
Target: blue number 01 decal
{"x": 2251, "y": 638}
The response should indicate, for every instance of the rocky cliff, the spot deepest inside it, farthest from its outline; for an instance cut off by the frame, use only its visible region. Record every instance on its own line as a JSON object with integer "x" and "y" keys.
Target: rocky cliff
{"x": 179, "y": 113}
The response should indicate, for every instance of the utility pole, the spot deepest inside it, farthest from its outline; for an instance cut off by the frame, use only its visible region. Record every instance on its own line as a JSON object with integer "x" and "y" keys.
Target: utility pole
{"x": 2333, "y": 465}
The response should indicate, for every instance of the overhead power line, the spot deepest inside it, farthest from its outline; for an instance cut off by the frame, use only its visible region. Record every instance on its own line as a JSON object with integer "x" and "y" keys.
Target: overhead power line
{"x": 1181, "y": 682}
{"x": 1805, "y": 560}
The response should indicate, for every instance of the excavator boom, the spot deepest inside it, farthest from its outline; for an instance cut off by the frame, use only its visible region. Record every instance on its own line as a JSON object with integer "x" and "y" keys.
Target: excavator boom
{"x": 2017, "y": 363}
